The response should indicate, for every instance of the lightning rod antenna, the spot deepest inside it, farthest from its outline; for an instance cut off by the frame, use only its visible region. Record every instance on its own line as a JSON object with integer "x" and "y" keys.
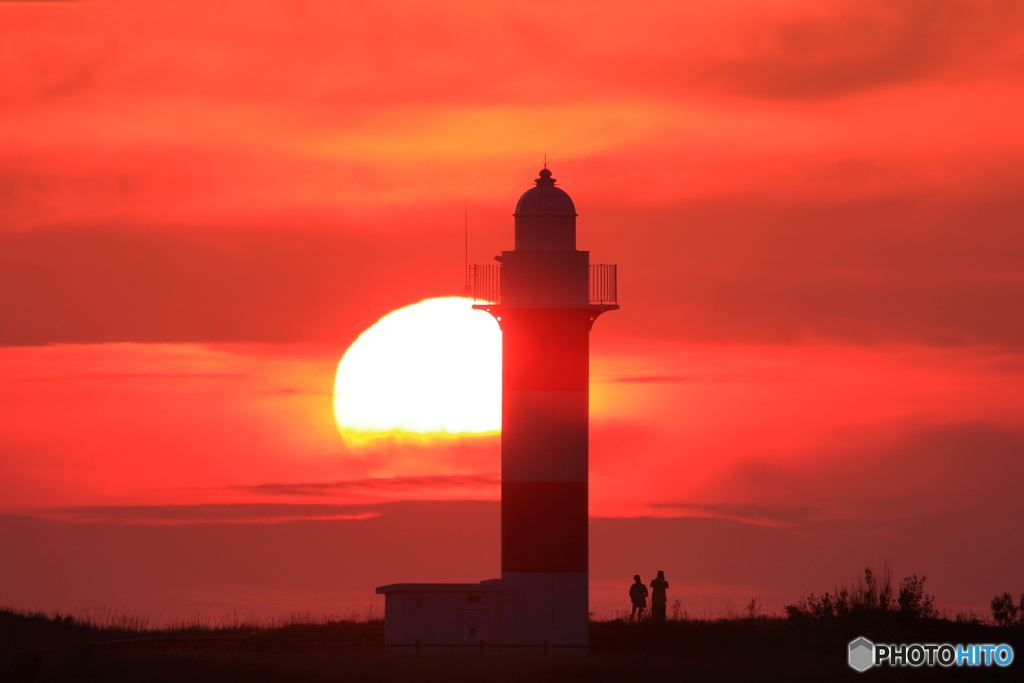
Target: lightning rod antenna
{"x": 465, "y": 217}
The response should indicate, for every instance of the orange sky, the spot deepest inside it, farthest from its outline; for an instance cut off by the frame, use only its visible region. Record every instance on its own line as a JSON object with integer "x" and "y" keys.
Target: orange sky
{"x": 816, "y": 212}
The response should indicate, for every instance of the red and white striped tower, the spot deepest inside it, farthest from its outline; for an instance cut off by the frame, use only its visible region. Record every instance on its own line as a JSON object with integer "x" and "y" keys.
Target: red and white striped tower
{"x": 546, "y": 307}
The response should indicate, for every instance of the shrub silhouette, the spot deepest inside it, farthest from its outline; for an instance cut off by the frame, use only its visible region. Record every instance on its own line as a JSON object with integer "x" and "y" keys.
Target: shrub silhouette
{"x": 913, "y": 601}
{"x": 1005, "y": 613}
{"x": 869, "y": 593}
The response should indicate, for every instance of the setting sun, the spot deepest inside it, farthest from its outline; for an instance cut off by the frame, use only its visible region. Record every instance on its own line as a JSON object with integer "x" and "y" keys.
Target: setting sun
{"x": 430, "y": 368}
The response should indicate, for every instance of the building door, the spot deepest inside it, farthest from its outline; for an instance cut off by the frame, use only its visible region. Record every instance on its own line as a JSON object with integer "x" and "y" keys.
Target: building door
{"x": 475, "y": 625}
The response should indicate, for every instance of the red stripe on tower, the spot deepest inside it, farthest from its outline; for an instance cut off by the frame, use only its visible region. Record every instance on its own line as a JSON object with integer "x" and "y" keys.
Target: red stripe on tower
{"x": 544, "y": 526}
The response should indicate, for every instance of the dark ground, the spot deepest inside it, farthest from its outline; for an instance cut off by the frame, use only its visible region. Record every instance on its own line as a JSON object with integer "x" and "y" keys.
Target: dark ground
{"x": 41, "y": 648}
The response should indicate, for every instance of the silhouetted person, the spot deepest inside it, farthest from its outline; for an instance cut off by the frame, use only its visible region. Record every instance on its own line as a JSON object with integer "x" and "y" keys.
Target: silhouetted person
{"x": 658, "y": 597}
{"x": 638, "y": 595}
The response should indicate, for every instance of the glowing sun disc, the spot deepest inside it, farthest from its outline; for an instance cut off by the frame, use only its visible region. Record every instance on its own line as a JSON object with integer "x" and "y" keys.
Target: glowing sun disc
{"x": 430, "y": 368}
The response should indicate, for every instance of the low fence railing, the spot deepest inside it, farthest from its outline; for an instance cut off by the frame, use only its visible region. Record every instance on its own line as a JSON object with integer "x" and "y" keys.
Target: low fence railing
{"x": 483, "y": 646}
{"x": 603, "y": 285}
{"x": 486, "y": 283}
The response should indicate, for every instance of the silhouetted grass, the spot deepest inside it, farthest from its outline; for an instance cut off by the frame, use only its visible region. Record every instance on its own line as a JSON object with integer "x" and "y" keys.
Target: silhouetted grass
{"x": 310, "y": 647}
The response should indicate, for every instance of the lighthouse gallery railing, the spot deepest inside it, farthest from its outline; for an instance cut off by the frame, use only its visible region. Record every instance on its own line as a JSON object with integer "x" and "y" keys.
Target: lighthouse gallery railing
{"x": 603, "y": 284}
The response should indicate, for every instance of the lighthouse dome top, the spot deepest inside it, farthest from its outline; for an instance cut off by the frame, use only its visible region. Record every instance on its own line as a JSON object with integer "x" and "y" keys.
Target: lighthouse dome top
{"x": 545, "y": 199}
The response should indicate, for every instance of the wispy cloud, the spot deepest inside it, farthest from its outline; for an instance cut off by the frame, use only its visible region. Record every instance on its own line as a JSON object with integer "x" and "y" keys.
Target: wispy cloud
{"x": 291, "y": 391}
{"x": 819, "y": 52}
{"x": 199, "y": 514}
{"x": 761, "y": 515}
{"x": 93, "y": 376}
{"x": 445, "y": 481}
{"x": 654, "y": 379}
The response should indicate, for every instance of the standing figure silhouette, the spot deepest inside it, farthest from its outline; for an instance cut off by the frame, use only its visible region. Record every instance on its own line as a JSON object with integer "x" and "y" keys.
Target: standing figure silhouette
{"x": 658, "y": 597}
{"x": 638, "y": 596}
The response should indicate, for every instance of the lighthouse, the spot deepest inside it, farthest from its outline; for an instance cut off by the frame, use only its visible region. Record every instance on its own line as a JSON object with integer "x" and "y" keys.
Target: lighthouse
{"x": 545, "y": 295}
{"x": 548, "y": 298}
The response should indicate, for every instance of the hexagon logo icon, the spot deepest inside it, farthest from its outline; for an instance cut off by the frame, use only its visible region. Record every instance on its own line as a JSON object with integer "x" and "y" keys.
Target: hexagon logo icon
{"x": 862, "y": 654}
